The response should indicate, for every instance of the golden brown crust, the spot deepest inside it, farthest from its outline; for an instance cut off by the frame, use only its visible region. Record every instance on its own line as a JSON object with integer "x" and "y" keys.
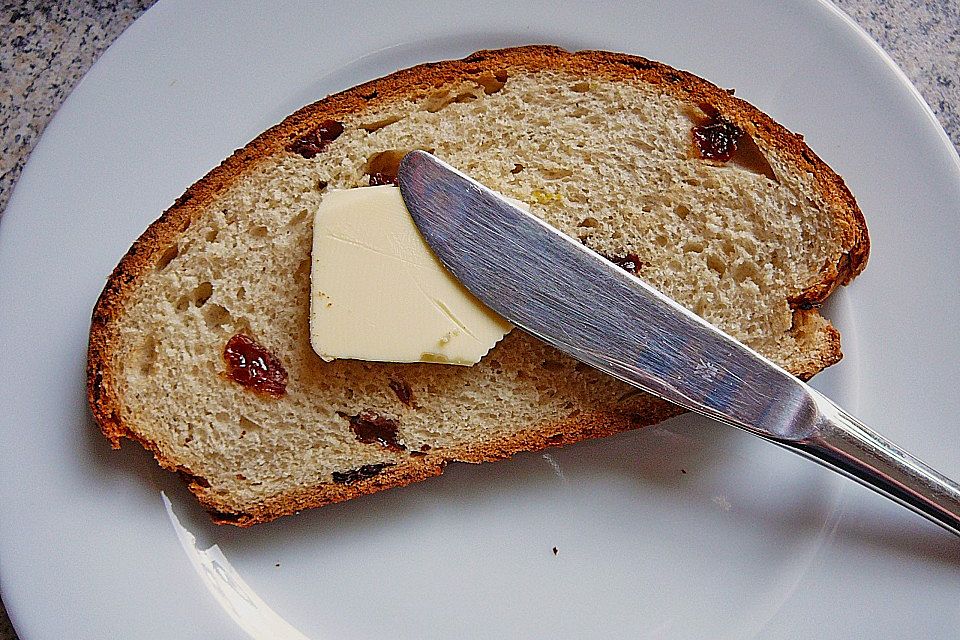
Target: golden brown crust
{"x": 417, "y": 82}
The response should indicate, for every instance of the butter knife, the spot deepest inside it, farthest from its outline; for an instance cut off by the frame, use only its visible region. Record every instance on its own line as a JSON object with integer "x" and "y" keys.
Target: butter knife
{"x": 574, "y": 299}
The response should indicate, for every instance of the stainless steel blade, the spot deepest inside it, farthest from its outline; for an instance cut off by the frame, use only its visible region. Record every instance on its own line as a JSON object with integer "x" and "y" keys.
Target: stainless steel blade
{"x": 574, "y": 299}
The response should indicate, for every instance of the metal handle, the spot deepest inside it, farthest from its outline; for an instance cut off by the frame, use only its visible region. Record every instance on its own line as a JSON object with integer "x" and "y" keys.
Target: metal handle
{"x": 845, "y": 444}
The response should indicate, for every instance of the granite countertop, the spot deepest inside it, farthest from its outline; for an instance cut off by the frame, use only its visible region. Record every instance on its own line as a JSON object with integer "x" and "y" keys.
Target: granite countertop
{"x": 47, "y": 46}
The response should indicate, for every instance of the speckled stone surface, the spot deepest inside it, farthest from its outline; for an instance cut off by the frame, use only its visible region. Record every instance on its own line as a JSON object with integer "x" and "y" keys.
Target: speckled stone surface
{"x": 923, "y": 38}
{"x": 46, "y": 47}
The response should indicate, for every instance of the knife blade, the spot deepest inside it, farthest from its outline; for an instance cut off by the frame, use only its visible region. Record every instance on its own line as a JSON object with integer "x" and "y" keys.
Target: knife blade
{"x": 567, "y": 295}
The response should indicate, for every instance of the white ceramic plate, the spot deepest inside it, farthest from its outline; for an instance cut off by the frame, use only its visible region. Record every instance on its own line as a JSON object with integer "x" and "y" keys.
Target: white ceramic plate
{"x": 681, "y": 531}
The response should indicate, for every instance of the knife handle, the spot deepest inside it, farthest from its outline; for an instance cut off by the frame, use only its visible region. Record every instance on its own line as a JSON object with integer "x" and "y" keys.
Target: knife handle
{"x": 847, "y": 445}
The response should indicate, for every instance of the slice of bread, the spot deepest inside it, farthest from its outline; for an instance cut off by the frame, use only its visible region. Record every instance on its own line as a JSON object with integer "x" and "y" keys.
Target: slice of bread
{"x": 601, "y": 145}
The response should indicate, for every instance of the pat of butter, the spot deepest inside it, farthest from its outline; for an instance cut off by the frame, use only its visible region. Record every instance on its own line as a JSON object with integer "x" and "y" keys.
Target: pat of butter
{"x": 379, "y": 293}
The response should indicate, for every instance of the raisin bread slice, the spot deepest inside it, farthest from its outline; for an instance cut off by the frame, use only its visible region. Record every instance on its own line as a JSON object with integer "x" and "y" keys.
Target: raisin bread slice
{"x": 632, "y": 157}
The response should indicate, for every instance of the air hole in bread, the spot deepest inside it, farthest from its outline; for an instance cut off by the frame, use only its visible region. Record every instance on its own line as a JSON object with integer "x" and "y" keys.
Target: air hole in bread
{"x": 492, "y": 82}
{"x": 556, "y": 173}
{"x": 211, "y": 234}
{"x": 580, "y": 87}
{"x": 437, "y": 100}
{"x": 385, "y": 164}
{"x": 259, "y": 232}
{"x": 376, "y": 125}
{"x": 748, "y": 156}
{"x": 682, "y": 211}
{"x": 580, "y": 112}
{"x": 215, "y": 316}
{"x": 693, "y": 246}
{"x": 167, "y": 257}
{"x": 440, "y": 99}
{"x": 466, "y": 96}
{"x": 715, "y": 263}
{"x": 402, "y": 390}
{"x": 746, "y": 271}
{"x": 201, "y": 293}
{"x": 517, "y": 168}
{"x": 146, "y": 355}
{"x": 590, "y": 222}
{"x": 299, "y": 219}
{"x": 700, "y": 307}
